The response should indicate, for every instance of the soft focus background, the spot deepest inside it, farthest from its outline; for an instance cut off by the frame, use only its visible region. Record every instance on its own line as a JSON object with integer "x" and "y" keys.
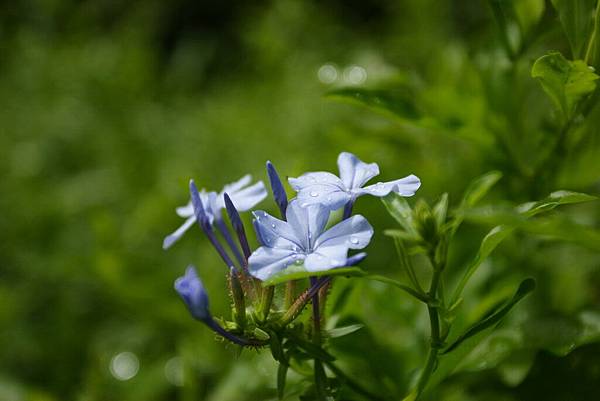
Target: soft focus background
{"x": 108, "y": 108}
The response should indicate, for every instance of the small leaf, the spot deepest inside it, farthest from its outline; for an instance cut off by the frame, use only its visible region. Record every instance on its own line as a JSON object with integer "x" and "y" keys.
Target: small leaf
{"x": 488, "y": 244}
{"x": 555, "y": 199}
{"x": 296, "y": 272}
{"x": 393, "y": 103}
{"x": 398, "y": 207}
{"x": 440, "y": 209}
{"x": 344, "y": 331}
{"x": 576, "y": 19}
{"x": 526, "y": 286}
{"x": 476, "y": 190}
{"x": 565, "y": 82}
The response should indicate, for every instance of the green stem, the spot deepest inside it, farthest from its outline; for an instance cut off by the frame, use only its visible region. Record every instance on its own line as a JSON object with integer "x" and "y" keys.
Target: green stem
{"x": 502, "y": 25}
{"x": 320, "y": 377}
{"x": 434, "y": 321}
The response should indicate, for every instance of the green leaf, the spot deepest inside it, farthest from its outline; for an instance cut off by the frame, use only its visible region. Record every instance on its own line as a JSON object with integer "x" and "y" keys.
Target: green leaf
{"x": 440, "y": 209}
{"x": 515, "y": 220}
{"x": 565, "y": 82}
{"x": 343, "y": 331}
{"x": 526, "y": 286}
{"x": 421, "y": 296}
{"x": 392, "y": 103}
{"x": 592, "y": 55}
{"x": 398, "y": 207}
{"x": 576, "y": 19}
{"x": 296, "y": 272}
{"x": 555, "y": 199}
{"x": 476, "y": 190}
{"x": 488, "y": 244}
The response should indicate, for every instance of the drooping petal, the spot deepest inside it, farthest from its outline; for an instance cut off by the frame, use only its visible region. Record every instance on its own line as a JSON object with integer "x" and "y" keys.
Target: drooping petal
{"x": 245, "y": 199}
{"x": 354, "y": 232}
{"x": 265, "y": 262}
{"x": 307, "y": 222}
{"x": 172, "y": 238}
{"x": 185, "y": 211}
{"x": 275, "y": 233}
{"x": 406, "y": 186}
{"x": 354, "y": 172}
{"x": 193, "y": 293}
{"x": 326, "y": 258}
{"x": 237, "y": 185}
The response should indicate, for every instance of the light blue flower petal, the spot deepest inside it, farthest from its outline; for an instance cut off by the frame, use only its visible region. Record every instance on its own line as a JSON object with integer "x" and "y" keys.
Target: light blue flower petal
{"x": 326, "y": 258}
{"x": 307, "y": 180}
{"x": 329, "y": 196}
{"x": 275, "y": 233}
{"x": 245, "y": 199}
{"x": 406, "y": 186}
{"x": 237, "y": 185}
{"x": 354, "y": 232}
{"x": 354, "y": 172}
{"x": 307, "y": 222}
{"x": 265, "y": 262}
{"x": 172, "y": 238}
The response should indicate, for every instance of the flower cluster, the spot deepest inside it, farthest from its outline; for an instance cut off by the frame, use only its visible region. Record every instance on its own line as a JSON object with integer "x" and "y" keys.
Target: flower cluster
{"x": 300, "y": 238}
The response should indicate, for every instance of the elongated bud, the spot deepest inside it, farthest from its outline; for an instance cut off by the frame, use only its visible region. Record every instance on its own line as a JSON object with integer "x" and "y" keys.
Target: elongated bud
{"x": 278, "y": 189}
{"x": 238, "y": 225}
{"x": 199, "y": 211}
{"x": 192, "y": 292}
{"x": 205, "y": 225}
{"x": 237, "y": 294}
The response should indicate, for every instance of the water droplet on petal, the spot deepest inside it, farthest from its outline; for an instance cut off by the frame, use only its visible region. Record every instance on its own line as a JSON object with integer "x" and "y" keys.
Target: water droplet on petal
{"x": 329, "y": 199}
{"x": 354, "y": 240}
{"x": 273, "y": 226}
{"x": 314, "y": 194}
{"x": 268, "y": 240}
{"x": 299, "y": 261}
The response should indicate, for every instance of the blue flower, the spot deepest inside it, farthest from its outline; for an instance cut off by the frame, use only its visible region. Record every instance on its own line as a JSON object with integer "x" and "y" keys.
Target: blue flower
{"x": 244, "y": 198}
{"x": 335, "y": 192}
{"x": 303, "y": 239}
{"x": 193, "y": 293}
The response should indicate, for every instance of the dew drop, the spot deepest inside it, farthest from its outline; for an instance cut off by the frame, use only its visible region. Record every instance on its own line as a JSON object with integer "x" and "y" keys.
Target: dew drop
{"x": 354, "y": 240}
{"x": 273, "y": 226}
{"x": 314, "y": 194}
{"x": 329, "y": 199}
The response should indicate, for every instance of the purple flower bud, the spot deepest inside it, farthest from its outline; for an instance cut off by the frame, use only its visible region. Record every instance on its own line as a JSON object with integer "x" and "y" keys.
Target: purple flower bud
{"x": 277, "y": 188}
{"x": 193, "y": 293}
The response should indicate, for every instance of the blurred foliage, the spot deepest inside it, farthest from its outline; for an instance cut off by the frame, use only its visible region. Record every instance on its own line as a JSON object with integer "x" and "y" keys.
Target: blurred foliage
{"x": 108, "y": 108}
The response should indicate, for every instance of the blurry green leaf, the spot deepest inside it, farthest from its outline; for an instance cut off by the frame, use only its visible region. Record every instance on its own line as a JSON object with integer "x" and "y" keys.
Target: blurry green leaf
{"x": 593, "y": 50}
{"x": 440, "y": 210}
{"x": 565, "y": 82}
{"x": 418, "y": 295}
{"x": 528, "y": 13}
{"x": 297, "y": 272}
{"x": 555, "y": 199}
{"x": 576, "y": 19}
{"x": 476, "y": 190}
{"x": 488, "y": 244}
{"x": 393, "y": 103}
{"x": 344, "y": 331}
{"x": 525, "y": 288}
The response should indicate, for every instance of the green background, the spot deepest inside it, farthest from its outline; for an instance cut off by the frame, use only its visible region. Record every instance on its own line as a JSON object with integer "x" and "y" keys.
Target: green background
{"x": 108, "y": 108}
